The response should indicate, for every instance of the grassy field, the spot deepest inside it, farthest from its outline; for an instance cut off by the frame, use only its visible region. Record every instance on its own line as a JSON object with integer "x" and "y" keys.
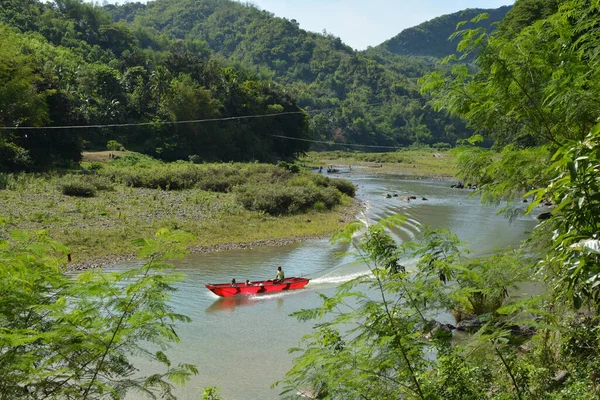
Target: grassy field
{"x": 120, "y": 208}
{"x": 411, "y": 163}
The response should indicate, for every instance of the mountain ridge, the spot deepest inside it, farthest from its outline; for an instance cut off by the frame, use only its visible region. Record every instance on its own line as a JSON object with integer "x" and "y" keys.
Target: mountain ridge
{"x": 409, "y": 42}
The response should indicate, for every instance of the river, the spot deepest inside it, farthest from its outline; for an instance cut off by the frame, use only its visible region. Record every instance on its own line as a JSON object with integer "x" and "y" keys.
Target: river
{"x": 240, "y": 344}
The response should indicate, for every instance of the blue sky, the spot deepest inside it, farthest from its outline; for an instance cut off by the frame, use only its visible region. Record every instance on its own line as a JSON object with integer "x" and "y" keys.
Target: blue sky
{"x": 362, "y": 23}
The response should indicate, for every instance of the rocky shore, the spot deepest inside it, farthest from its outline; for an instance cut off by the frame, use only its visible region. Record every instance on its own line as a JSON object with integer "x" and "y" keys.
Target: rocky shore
{"x": 109, "y": 261}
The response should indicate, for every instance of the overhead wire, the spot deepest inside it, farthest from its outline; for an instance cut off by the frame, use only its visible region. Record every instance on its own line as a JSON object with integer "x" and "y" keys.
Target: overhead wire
{"x": 254, "y": 116}
{"x": 334, "y": 143}
{"x": 193, "y": 121}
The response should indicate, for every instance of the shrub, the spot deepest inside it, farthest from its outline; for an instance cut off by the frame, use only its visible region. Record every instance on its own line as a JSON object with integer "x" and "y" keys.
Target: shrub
{"x": 113, "y": 145}
{"x": 195, "y": 158}
{"x": 100, "y": 182}
{"x": 280, "y": 199}
{"x": 220, "y": 178}
{"x": 77, "y": 188}
{"x": 344, "y": 186}
{"x": 330, "y": 196}
{"x": 164, "y": 177}
{"x": 319, "y": 206}
{"x": 96, "y": 166}
{"x": 293, "y": 168}
{"x": 441, "y": 145}
{"x": 3, "y": 181}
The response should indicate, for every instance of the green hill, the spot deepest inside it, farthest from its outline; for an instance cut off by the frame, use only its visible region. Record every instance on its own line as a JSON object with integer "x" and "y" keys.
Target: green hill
{"x": 369, "y": 99}
{"x": 430, "y": 39}
{"x": 176, "y": 60}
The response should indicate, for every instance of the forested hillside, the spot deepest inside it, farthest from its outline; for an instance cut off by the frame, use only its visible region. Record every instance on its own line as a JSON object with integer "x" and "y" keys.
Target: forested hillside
{"x": 431, "y": 38}
{"x": 178, "y": 60}
{"x": 370, "y": 100}
{"x": 67, "y": 63}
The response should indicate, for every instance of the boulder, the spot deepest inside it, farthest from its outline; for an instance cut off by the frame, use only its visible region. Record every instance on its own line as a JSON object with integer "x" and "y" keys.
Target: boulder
{"x": 561, "y": 377}
{"x": 439, "y": 330}
{"x": 544, "y": 216}
{"x": 471, "y": 324}
{"x": 517, "y": 330}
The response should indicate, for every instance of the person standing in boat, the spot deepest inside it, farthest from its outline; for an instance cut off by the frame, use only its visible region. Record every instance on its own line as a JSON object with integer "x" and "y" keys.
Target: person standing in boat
{"x": 280, "y": 275}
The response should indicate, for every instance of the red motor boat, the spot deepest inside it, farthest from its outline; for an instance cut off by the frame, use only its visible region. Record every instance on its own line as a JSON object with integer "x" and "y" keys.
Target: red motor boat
{"x": 227, "y": 289}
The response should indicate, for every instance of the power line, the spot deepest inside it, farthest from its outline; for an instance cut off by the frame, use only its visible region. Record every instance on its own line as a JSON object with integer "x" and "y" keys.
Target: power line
{"x": 336, "y": 144}
{"x": 194, "y": 121}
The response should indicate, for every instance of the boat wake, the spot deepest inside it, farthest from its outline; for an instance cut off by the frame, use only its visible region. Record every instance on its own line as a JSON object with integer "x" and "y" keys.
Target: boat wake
{"x": 337, "y": 279}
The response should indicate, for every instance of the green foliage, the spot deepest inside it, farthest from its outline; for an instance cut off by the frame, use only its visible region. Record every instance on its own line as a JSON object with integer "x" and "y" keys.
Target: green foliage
{"x": 84, "y": 185}
{"x": 258, "y": 187}
{"x": 370, "y": 336}
{"x": 319, "y": 70}
{"x": 574, "y": 190}
{"x": 506, "y": 175}
{"x": 13, "y": 157}
{"x": 72, "y": 337}
{"x": 278, "y": 199}
{"x": 430, "y": 38}
{"x": 72, "y": 186}
{"x": 166, "y": 62}
{"x": 534, "y": 88}
{"x": 76, "y": 67}
{"x": 211, "y": 393}
{"x": 293, "y": 168}
{"x": 113, "y": 145}
{"x": 344, "y": 186}
{"x": 373, "y": 337}
{"x": 525, "y": 13}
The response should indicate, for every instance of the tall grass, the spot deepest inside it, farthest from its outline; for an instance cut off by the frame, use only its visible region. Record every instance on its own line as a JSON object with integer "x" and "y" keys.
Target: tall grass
{"x": 258, "y": 187}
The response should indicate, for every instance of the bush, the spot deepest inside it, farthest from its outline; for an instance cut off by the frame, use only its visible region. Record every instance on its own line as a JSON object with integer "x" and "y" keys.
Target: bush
{"x": 344, "y": 186}
{"x": 3, "y": 181}
{"x": 96, "y": 166}
{"x": 280, "y": 199}
{"x": 195, "y": 158}
{"x": 330, "y": 196}
{"x": 100, "y": 182}
{"x": 441, "y": 146}
{"x": 293, "y": 168}
{"x": 77, "y": 188}
{"x": 113, "y": 145}
{"x": 319, "y": 206}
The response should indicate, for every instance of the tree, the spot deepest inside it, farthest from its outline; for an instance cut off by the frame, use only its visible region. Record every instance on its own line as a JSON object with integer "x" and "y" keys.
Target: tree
{"x": 374, "y": 337}
{"x": 67, "y": 337}
{"x": 535, "y": 88}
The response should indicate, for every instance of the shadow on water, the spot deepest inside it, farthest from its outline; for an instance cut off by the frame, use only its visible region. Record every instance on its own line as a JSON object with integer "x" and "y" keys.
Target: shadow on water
{"x": 229, "y": 304}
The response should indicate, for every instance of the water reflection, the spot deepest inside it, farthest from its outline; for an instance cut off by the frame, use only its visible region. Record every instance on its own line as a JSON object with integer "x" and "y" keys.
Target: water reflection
{"x": 229, "y": 304}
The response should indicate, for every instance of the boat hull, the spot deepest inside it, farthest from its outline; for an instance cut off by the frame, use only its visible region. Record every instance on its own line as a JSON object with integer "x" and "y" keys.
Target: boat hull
{"x": 258, "y": 287}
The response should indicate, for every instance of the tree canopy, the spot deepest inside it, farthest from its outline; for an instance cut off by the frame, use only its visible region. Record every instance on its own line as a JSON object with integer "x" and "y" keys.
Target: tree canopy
{"x": 152, "y": 66}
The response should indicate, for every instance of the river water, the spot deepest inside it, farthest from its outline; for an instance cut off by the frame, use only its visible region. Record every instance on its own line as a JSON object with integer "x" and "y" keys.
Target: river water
{"x": 240, "y": 344}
